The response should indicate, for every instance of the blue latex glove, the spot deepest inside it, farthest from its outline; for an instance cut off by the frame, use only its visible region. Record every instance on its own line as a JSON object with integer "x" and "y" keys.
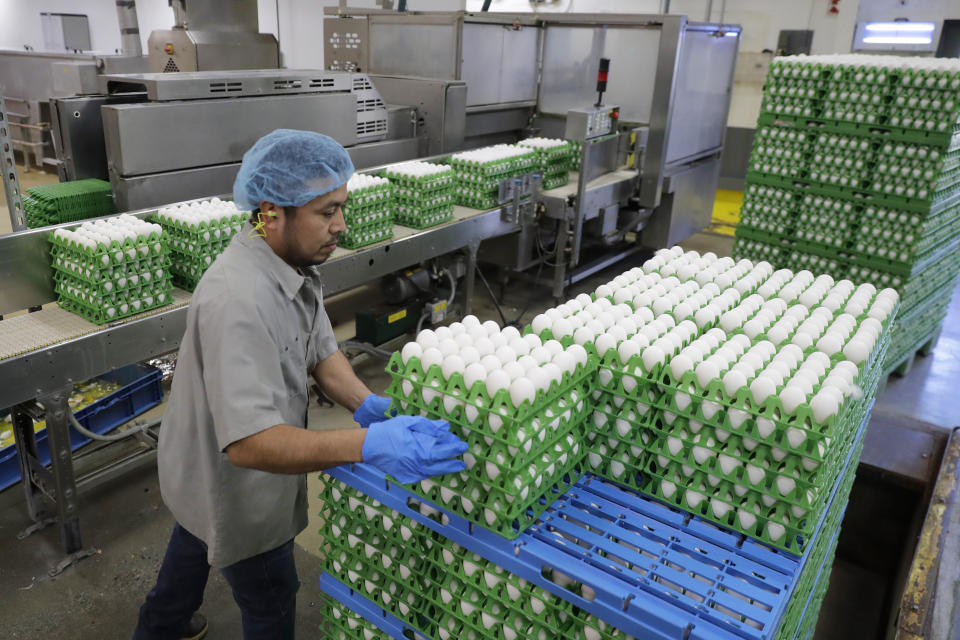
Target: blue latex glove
{"x": 413, "y": 448}
{"x": 373, "y": 409}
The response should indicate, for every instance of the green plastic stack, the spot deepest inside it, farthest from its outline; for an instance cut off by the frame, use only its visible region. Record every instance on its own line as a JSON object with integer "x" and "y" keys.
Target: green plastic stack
{"x": 728, "y": 389}
{"x": 423, "y": 193}
{"x": 50, "y": 204}
{"x": 110, "y": 269}
{"x": 198, "y": 232}
{"x": 555, "y": 158}
{"x": 855, "y": 172}
{"x": 434, "y": 585}
{"x": 479, "y": 172}
{"x": 518, "y": 402}
{"x": 368, "y": 211}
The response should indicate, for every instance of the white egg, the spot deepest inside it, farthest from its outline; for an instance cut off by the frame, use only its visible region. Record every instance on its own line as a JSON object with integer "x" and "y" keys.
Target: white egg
{"x": 443, "y": 333}
{"x": 484, "y": 346}
{"x": 679, "y": 365}
{"x": 565, "y": 361}
{"x": 541, "y": 355}
{"x": 505, "y": 354}
{"x": 456, "y": 328}
{"x": 427, "y": 338}
{"x": 452, "y": 364}
{"x": 514, "y": 370}
{"x": 540, "y": 323}
{"x": 491, "y": 327}
{"x": 553, "y": 346}
{"x": 470, "y": 355}
{"x": 463, "y": 340}
{"x": 553, "y": 371}
{"x": 491, "y": 362}
{"x": 470, "y": 321}
{"x": 562, "y": 328}
{"x": 583, "y": 335}
{"x": 733, "y": 381}
{"x": 627, "y": 350}
{"x": 762, "y": 388}
{"x": 792, "y": 397}
{"x": 652, "y": 356}
{"x": 411, "y": 350}
{"x": 510, "y": 333}
{"x": 533, "y": 341}
{"x": 497, "y": 340}
{"x": 527, "y": 362}
{"x": 448, "y": 347}
{"x": 604, "y": 343}
{"x": 579, "y": 354}
{"x": 495, "y": 381}
{"x": 540, "y": 379}
{"x": 522, "y": 390}
{"x": 856, "y": 350}
{"x": 431, "y": 356}
{"x": 824, "y": 405}
{"x": 519, "y": 346}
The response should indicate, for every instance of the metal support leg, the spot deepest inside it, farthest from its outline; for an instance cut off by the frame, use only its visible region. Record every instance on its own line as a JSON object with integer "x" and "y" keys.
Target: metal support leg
{"x": 560, "y": 260}
{"x": 26, "y": 443}
{"x": 8, "y": 170}
{"x": 57, "y": 483}
{"x": 469, "y": 279}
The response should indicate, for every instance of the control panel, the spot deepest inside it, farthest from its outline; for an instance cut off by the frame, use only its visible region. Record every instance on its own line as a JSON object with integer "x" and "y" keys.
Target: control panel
{"x": 586, "y": 124}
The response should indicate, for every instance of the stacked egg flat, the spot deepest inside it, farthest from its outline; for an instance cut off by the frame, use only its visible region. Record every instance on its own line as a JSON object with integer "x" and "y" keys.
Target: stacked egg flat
{"x": 726, "y": 388}
{"x": 518, "y": 401}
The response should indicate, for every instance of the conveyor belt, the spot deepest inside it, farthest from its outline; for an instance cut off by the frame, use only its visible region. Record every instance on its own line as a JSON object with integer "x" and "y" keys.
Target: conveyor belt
{"x": 53, "y": 325}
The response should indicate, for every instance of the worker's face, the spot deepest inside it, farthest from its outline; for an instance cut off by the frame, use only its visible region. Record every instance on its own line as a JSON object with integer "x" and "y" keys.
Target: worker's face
{"x": 310, "y": 236}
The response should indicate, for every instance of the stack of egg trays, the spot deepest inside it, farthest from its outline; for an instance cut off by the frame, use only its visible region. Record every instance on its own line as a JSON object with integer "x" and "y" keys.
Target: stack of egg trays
{"x": 633, "y": 562}
{"x": 675, "y": 404}
{"x": 478, "y": 184}
{"x": 343, "y": 624}
{"x": 858, "y": 96}
{"x": 368, "y": 214}
{"x": 422, "y": 202}
{"x": 514, "y": 465}
{"x": 110, "y": 283}
{"x": 194, "y": 247}
{"x": 554, "y": 163}
{"x": 427, "y": 581}
{"x": 374, "y": 550}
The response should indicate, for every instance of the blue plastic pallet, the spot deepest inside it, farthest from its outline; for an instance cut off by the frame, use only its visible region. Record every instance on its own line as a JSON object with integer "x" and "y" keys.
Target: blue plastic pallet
{"x": 140, "y": 389}
{"x": 385, "y": 621}
{"x": 689, "y": 579}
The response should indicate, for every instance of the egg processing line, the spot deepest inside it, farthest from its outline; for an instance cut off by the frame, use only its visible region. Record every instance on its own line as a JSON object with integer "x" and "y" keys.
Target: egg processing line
{"x": 649, "y": 166}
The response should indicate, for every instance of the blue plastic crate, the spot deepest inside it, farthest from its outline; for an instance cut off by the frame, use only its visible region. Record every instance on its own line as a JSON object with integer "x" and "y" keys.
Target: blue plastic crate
{"x": 140, "y": 389}
{"x": 689, "y": 578}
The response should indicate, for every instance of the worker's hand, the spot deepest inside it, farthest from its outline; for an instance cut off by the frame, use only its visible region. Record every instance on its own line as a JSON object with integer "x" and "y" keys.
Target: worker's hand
{"x": 373, "y": 409}
{"x": 413, "y": 448}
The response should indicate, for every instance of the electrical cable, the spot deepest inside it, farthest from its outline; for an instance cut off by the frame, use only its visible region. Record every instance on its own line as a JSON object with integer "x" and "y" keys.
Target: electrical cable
{"x": 486, "y": 284}
{"x": 366, "y": 348}
{"x": 111, "y": 438}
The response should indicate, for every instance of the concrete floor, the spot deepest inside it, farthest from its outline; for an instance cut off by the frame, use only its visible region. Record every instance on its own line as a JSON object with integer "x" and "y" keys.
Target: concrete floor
{"x": 128, "y": 524}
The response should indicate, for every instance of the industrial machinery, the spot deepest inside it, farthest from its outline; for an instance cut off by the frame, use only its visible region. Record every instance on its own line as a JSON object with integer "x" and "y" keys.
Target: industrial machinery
{"x": 648, "y": 182}
{"x": 648, "y": 166}
{"x": 212, "y": 35}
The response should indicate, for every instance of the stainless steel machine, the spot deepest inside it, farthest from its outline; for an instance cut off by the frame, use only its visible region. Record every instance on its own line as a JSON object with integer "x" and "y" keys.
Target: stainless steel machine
{"x": 212, "y": 35}
{"x": 177, "y": 136}
{"x": 650, "y": 183}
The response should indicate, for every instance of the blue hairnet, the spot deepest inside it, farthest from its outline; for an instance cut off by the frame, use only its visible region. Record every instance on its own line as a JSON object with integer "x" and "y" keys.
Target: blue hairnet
{"x": 290, "y": 168}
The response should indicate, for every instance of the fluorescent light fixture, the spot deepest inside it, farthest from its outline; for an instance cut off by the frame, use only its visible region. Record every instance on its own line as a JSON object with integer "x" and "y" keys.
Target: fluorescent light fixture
{"x": 887, "y": 27}
{"x": 731, "y": 34}
{"x": 898, "y": 40}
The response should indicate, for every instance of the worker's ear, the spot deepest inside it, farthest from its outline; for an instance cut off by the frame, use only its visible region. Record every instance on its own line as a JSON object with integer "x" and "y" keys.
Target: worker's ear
{"x": 270, "y": 215}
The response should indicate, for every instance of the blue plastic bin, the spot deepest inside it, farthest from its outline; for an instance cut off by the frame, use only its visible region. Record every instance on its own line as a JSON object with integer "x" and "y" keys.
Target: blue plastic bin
{"x": 140, "y": 389}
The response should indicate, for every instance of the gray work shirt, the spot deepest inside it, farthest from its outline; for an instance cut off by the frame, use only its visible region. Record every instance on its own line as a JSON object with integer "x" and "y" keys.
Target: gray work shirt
{"x": 255, "y": 329}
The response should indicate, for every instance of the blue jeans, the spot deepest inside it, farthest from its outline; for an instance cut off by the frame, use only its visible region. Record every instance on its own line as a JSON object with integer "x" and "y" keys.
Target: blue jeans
{"x": 264, "y": 586}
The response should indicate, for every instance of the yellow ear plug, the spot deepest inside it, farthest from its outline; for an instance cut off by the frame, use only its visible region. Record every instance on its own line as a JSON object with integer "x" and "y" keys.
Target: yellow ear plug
{"x": 257, "y": 231}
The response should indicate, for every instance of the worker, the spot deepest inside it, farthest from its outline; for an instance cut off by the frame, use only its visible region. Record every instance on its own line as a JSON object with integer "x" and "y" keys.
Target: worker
{"x": 234, "y": 449}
